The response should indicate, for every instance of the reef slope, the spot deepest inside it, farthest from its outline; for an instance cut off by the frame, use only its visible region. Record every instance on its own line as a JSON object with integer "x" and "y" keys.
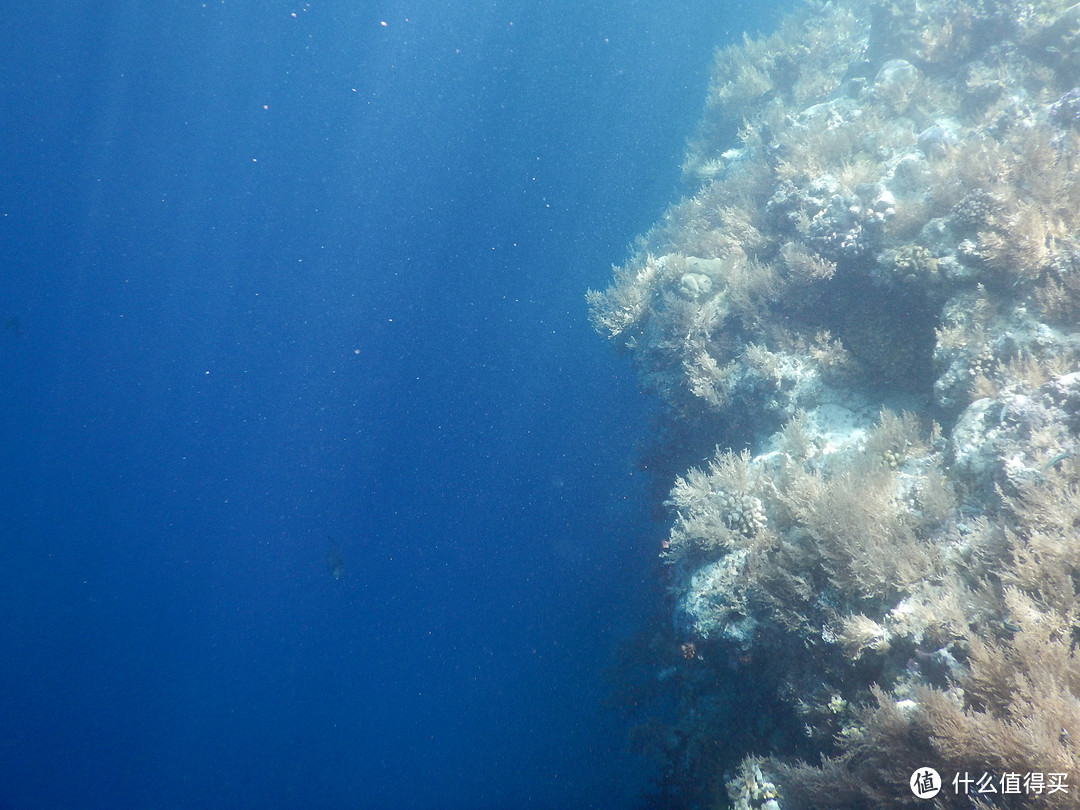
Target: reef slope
{"x": 869, "y": 301}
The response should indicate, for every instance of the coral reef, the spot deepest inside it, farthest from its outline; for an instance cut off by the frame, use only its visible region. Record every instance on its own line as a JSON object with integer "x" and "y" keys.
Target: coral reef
{"x": 869, "y": 302}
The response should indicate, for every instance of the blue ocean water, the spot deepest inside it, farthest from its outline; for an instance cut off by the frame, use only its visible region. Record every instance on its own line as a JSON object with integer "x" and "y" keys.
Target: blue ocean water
{"x": 317, "y": 488}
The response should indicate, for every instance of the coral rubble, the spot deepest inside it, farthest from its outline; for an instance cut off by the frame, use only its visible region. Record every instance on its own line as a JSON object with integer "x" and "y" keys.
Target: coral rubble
{"x": 869, "y": 302}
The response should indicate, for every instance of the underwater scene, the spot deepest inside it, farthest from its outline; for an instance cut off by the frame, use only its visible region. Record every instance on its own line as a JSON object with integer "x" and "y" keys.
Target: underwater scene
{"x": 514, "y": 404}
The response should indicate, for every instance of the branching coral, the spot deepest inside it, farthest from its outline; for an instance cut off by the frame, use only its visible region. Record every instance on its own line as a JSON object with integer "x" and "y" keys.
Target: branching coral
{"x": 883, "y": 218}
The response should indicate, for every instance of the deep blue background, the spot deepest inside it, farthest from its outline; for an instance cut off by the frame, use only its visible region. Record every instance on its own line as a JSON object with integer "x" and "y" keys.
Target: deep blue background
{"x": 277, "y": 277}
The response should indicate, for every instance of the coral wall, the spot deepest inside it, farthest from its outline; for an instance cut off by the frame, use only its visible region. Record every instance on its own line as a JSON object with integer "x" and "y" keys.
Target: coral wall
{"x": 869, "y": 301}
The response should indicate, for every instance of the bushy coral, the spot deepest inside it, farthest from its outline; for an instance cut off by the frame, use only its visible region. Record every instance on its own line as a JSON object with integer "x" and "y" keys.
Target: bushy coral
{"x": 874, "y": 285}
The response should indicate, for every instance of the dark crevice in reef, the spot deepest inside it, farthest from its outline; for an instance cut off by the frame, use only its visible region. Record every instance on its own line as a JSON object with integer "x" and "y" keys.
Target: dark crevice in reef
{"x": 889, "y": 331}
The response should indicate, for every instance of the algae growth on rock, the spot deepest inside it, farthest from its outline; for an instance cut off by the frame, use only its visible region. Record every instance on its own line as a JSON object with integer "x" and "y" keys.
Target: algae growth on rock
{"x": 869, "y": 301}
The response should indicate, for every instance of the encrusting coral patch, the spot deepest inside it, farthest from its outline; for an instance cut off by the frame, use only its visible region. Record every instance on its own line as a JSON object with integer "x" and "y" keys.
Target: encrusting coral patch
{"x": 869, "y": 302}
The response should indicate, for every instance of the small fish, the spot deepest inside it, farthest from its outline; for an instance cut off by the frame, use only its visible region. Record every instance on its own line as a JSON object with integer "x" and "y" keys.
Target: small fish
{"x": 335, "y": 561}
{"x": 12, "y": 323}
{"x": 1056, "y": 460}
